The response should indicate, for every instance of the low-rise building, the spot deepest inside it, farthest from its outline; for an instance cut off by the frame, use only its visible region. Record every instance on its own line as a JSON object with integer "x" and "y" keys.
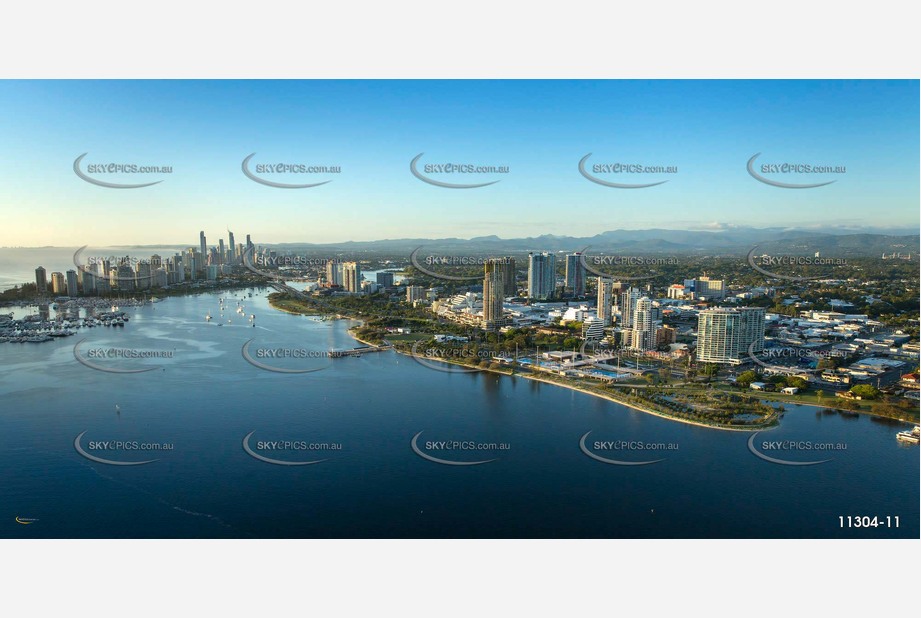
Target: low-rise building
{"x": 909, "y": 380}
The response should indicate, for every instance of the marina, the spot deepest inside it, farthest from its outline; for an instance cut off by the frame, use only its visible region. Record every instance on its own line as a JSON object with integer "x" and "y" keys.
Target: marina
{"x": 37, "y": 329}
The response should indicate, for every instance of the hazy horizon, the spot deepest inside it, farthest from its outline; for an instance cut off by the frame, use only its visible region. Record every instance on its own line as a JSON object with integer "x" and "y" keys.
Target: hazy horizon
{"x": 833, "y": 231}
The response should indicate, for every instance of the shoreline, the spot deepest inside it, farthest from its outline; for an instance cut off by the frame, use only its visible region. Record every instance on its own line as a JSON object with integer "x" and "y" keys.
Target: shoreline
{"x": 644, "y": 410}
{"x": 367, "y": 343}
{"x": 831, "y": 407}
{"x": 289, "y": 311}
{"x": 607, "y": 397}
{"x": 569, "y": 386}
{"x": 600, "y": 396}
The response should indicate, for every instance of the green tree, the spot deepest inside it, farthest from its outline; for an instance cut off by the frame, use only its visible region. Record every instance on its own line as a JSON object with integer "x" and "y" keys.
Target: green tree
{"x": 865, "y": 391}
{"x": 796, "y": 382}
{"x": 746, "y": 378}
{"x": 710, "y": 369}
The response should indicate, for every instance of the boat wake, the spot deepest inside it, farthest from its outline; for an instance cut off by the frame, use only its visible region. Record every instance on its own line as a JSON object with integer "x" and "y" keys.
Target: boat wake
{"x": 150, "y": 494}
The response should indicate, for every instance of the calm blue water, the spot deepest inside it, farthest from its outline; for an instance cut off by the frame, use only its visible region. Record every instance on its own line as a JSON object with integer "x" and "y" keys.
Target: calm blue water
{"x": 207, "y": 397}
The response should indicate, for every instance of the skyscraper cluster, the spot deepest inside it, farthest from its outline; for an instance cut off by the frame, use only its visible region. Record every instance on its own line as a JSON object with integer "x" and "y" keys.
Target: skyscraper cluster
{"x": 345, "y": 275}
{"x": 103, "y": 275}
{"x": 638, "y": 315}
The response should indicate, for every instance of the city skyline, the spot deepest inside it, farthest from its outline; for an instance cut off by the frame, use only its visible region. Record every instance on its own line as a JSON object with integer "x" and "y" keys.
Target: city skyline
{"x": 357, "y": 281}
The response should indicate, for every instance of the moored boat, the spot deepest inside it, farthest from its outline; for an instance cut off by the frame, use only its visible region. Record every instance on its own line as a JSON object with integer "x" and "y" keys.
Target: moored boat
{"x": 911, "y": 437}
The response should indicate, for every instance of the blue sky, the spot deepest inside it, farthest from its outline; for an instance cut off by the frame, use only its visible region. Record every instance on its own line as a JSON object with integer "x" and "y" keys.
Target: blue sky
{"x": 372, "y": 129}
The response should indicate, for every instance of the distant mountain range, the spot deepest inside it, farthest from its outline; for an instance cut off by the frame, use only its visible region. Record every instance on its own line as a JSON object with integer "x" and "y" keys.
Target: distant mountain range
{"x": 736, "y": 241}
{"x": 720, "y": 241}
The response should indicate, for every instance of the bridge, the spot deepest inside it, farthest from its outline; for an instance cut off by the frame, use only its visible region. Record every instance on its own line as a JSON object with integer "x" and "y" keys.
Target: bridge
{"x": 283, "y": 287}
{"x": 359, "y": 351}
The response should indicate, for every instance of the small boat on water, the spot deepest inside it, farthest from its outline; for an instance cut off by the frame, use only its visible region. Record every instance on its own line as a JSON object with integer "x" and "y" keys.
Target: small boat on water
{"x": 911, "y": 437}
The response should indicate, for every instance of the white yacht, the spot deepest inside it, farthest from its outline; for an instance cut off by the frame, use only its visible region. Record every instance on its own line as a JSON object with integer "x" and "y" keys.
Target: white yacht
{"x": 911, "y": 437}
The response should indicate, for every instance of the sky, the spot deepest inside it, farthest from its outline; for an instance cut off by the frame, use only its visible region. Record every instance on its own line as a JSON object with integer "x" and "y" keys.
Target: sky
{"x": 373, "y": 129}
